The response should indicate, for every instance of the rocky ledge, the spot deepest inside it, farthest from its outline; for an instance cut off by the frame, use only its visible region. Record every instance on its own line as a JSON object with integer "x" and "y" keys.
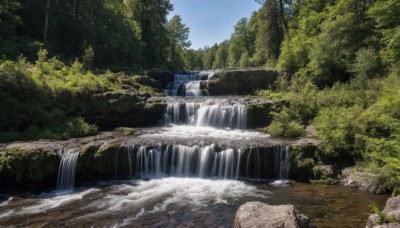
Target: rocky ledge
{"x": 34, "y": 165}
{"x": 257, "y": 214}
{"x": 240, "y": 81}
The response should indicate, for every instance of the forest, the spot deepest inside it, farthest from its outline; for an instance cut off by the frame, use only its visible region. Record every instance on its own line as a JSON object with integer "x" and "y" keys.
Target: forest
{"x": 341, "y": 58}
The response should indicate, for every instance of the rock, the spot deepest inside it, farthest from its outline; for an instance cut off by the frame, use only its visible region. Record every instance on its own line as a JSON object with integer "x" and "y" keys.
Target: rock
{"x": 392, "y": 208}
{"x": 389, "y": 225}
{"x": 357, "y": 178}
{"x": 123, "y": 109}
{"x": 29, "y": 164}
{"x": 391, "y": 212}
{"x": 240, "y": 81}
{"x": 163, "y": 76}
{"x": 257, "y": 214}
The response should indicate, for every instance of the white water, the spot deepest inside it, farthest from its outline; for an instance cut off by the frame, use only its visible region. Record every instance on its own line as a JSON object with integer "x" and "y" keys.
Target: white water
{"x": 133, "y": 200}
{"x": 67, "y": 169}
{"x": 218, "y": 113}
{"x": 198, "y": 133}
{"x": 185, "y": 161}
{"x": 184, "y": 85}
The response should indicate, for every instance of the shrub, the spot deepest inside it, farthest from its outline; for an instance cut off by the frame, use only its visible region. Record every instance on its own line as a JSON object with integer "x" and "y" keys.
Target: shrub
{"x": 284, "y": 126}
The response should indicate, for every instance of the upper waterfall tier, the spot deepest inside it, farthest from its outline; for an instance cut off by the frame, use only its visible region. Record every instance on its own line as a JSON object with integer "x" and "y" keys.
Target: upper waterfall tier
{"x": 218, "y": 113}
{"x": 184, "y": 84}
{"x": 188, "y": 83}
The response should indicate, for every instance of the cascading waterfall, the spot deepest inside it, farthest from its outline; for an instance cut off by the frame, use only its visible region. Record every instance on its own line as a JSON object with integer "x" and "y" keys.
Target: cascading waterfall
{"x": 211, "y": 113}
{"x": 185, "y": 161}
{"x": 67, "y": 169}
{"x": 269, "y": 162}
{"x": 184, "y": 84}
{"x": 164, "y": 160}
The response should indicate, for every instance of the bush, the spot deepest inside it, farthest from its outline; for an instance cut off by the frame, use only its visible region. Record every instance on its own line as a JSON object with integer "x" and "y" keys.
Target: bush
{"x": 337, "y": 128}
{"x": 284, "y": 126}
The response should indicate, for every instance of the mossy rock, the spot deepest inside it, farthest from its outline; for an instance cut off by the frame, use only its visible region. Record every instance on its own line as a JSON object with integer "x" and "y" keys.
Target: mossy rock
{"x": 112, "y": 110}
{"x": 241, "y": 82}
{"x": 136, "y": 80}
{"x": 325, "y": 174}
{"x": 105, "y": 160}
{"x": 29, "y": 168}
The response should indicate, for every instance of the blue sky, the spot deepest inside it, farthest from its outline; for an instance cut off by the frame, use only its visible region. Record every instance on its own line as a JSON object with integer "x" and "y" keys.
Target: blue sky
{"x": 211, "y": 21}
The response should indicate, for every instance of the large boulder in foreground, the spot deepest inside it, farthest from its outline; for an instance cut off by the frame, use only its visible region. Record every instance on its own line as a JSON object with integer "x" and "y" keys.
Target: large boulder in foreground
{"x": 389, "y": 217}
{"x": 257, "y": 214}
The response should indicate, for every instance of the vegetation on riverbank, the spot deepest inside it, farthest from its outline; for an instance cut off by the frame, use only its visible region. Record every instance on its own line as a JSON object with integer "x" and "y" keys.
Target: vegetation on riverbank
{"x": 345, "y": 82}
{"x": 49, "y": 99}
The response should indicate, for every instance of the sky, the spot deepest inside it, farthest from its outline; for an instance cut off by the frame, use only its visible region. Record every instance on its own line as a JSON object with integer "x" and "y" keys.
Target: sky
{"x": 211, "y": 21}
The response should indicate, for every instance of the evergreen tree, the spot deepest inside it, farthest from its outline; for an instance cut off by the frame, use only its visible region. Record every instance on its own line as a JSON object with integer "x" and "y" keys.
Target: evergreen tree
{"x": 178, "y": 35}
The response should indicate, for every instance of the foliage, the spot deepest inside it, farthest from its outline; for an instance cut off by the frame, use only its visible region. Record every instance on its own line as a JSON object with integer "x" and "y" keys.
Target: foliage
{"x": 383, "y": 218}
{"x": 284, "y": 126}
{"x": 47, "y": 100}
{"x": 178, "y": 35}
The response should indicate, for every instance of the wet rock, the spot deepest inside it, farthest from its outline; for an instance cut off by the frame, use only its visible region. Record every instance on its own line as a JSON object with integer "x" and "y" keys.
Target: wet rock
{"x": 357, "y": 178}
{"x": 257, "y": 214}
{"x": 391, "y": 214}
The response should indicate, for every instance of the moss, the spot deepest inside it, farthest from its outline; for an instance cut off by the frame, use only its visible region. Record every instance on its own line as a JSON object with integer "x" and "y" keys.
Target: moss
{"x": 327, "y": 181}
{"x": 302, "y": 161}
{"x": 33, "y": 168}
{"x": 126, "y": 130}
{"x": 104, "y": 159}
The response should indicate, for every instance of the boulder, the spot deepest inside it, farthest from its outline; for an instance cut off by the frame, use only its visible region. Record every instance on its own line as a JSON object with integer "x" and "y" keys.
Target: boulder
{"x": 123, "y": 109}
{"x": 357, "y": 178}
{"x": 32, "y": 165}
{"x": 390, "y": 214}
{"x": 163, "y": 76}
{"x": 257, "y": 214}
{"x": 240, "y": 81}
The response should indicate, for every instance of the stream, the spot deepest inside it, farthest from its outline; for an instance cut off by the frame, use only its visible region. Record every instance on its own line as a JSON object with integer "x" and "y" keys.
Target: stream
{"x": 193, "y": 171}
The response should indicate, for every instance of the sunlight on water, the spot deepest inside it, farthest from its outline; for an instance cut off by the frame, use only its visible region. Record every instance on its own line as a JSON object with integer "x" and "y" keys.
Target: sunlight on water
{"x": 185, "y": 131}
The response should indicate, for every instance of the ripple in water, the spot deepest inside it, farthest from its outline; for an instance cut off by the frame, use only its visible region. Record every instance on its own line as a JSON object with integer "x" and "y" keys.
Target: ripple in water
{"x": 124, "y": 204}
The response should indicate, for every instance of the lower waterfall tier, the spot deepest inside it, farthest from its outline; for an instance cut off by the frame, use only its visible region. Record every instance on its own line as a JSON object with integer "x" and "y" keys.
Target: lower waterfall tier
{"x": 152, "y": 152}
{"x": 148, "y": 161}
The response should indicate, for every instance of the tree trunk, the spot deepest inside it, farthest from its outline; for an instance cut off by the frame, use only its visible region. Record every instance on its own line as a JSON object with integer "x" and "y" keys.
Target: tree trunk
{"x": 46, "y": 20}
{"x": 282, "y": 12}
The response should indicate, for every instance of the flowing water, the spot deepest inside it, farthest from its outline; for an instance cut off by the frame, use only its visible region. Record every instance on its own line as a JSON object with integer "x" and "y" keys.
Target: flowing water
{"x": 183, "y": 202}
{"x": 195, "y": 171}
{"x": 66, "y": 172}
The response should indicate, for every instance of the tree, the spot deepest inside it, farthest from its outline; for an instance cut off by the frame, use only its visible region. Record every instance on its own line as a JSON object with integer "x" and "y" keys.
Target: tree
{"x": 270, "y": 32}
{"x": 178, "y": 35}
{"x": 221, "y": 56}
{"x": 209, "y": 56}
{"x": 152, "y": 17}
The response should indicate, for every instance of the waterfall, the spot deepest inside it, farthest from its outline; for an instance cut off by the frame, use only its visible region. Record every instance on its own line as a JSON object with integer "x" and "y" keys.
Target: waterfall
{"x": 66, "y": 170}
{"x": 267, "y": 162}
{"x": 186, "y": 161}
{"x": 211, "y": 113}
{"x": 184, "y": 84}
